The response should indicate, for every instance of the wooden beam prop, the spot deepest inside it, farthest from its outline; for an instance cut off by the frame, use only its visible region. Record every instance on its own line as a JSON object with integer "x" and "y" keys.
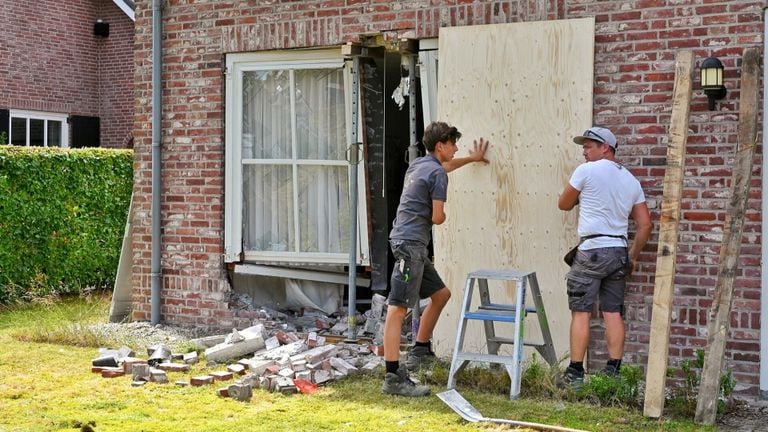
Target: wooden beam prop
{"x": 668, "y": 232}
{"x": 709, "y": 389}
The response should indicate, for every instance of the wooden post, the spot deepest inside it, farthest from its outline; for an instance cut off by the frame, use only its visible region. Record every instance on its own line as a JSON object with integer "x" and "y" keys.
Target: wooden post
{"x": 668, "y": 232}
{"x": 709, "y": 389}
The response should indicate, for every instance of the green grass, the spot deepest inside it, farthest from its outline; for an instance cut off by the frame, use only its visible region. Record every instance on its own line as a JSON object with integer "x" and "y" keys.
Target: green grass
{"x": 46, "y": 385}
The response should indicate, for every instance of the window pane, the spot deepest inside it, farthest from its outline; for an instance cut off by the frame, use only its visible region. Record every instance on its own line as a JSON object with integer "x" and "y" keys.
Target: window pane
{"x": 266, "y": 115}
{"x": 18, "y": 131}
{"x": 36, "y": 131}
{"x": 268, "y": 208}
{"x": 320, "y": 116}
{"x": 324, "y": 209}
{"x": 54, "y": 133}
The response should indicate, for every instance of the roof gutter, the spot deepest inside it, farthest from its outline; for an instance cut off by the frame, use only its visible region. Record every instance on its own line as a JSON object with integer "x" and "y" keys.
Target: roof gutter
{"x": 157, "y": 110}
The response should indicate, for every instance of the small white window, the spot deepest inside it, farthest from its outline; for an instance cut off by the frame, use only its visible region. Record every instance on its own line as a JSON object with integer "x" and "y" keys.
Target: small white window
{"x": 287, "y": 177}
{"x": 38, "y": 129}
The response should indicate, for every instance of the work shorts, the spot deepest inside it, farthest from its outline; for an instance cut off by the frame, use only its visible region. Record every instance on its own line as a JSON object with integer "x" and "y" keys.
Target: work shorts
{"x": 414, "y": 276}
{"x": 598, "y": 273}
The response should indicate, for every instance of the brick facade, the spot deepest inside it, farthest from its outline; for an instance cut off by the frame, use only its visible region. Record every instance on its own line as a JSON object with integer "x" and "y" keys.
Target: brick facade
{"x": 51, "y": 61}
{"x": 635, "y": 47}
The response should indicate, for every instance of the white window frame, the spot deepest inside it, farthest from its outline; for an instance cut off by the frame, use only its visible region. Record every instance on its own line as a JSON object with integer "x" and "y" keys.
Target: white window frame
{"x": 37, "y": 115}
{"x": 428, "y": 77}
{"x": 233, "y": 188}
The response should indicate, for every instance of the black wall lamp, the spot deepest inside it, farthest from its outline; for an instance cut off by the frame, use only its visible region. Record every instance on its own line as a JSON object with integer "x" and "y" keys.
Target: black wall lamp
{"x": 100, "y": 28}
{"x": 712, "y": 80}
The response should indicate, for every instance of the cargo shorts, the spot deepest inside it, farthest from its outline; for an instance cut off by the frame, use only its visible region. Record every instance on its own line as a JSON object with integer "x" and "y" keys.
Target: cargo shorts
{"x": 598, "y": 273}
{"x": 414, "y": 276}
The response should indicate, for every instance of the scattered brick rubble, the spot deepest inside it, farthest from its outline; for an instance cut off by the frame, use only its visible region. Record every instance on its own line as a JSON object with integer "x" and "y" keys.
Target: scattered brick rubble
{"x": 280, "y": 353}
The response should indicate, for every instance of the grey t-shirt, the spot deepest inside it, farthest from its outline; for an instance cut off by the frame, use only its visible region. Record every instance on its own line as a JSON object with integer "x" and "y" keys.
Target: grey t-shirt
{"x": 425, "y": 181}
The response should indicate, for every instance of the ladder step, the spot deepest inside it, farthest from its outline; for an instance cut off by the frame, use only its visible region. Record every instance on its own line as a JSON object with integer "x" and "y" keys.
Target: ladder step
{"x": 482, "y": 315}
{"x": 505, "y": 307}
{"x": 509, "y": 341}
{"x": 488, "y": 358}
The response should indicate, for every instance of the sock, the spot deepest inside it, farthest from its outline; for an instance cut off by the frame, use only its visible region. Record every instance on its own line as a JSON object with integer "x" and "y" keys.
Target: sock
{"x": 426, "y": 344}
{"x": 392, "y": 366}
{"x": 615, "y": 363}
{"x": 578, "y": 366}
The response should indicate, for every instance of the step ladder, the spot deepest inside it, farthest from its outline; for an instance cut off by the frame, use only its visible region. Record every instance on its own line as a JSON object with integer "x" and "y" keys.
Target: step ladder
{"x": 490, "y": 312}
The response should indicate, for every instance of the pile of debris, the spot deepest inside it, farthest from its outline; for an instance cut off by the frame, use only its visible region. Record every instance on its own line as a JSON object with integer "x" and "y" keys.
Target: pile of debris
{"x": 281, "y": 353}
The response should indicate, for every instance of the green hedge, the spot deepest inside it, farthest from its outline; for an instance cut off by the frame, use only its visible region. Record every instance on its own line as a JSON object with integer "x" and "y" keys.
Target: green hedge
{"x": 62, "y": 217}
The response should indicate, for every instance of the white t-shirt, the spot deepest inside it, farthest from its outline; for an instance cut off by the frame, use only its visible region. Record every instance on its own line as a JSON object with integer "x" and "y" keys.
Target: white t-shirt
{"x": 608, "y": 193}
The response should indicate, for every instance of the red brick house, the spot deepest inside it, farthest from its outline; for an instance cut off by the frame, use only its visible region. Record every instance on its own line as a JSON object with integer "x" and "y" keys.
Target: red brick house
{"x": 66, "y": 81}
{"x": 223, "y": 205}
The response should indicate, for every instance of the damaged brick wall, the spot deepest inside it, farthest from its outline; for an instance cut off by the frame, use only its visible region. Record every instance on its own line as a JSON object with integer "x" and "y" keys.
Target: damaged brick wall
{"x": 635, "y": 47}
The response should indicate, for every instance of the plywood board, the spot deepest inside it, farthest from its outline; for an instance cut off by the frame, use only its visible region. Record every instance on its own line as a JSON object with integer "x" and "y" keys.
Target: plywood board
{"x": 527, "y": 87}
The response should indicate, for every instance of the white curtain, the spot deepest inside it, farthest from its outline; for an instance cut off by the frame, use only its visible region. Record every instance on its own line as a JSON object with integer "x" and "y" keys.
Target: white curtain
{"x": 271, "y": 188}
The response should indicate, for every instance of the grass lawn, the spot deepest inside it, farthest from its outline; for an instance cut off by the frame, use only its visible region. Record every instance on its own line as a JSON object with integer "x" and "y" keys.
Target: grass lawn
{"x": 49, "y": 387}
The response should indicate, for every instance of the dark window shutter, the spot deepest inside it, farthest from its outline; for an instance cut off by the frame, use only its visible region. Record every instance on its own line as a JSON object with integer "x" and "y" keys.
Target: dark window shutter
{"x": 5, "y": 118}
{"x": 86, "y": 131}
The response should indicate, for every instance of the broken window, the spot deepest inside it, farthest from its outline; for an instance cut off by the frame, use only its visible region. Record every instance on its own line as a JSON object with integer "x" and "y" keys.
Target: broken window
{"x": 287, "y": 185}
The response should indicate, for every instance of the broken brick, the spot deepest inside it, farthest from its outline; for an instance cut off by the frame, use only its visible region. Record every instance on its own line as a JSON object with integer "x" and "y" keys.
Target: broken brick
{"x": 174, "y": 367}
{"x": 140, "y": 372}
{"x": 190, "y": 357}
{"x": 129, "y": 362}
{"x": 240, "y": 391}
{"x": 112, "y": 372}
{"x": 221, "y": 376}
{"x": 321, "y": 376}
{"x": 201, "y": 380}
{"x": 236, "y": 369}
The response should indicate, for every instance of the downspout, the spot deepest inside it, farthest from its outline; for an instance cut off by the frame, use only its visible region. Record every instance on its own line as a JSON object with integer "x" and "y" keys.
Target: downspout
{"x": 764, "y": 231}
{"x": 157, "y": 109}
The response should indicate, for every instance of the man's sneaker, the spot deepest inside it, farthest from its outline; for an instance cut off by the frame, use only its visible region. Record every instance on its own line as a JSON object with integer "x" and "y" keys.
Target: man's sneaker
{"x": 399, "y": 384}
{"x": 573, "y": 378}
{"x": 418, "y": 357}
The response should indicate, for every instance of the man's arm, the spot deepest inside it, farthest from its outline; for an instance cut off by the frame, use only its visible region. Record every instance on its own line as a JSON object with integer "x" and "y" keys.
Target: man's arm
{"x": 476, "y": 155}
{"x": 643, "y": 221}
{"x": 438, "y": 212}
{"x": 569, "y": 197}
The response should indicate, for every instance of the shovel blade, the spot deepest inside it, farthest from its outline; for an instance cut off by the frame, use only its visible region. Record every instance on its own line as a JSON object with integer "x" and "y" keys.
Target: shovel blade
{"x": 461, "y": 406}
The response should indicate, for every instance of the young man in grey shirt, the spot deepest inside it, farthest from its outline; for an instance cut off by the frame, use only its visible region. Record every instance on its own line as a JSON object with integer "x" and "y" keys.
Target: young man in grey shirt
{"x": 422, "y": 202}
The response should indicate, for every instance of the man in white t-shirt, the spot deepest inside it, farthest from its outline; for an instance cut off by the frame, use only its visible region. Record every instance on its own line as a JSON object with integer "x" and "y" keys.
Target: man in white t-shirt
{"x": 607, "y": 195}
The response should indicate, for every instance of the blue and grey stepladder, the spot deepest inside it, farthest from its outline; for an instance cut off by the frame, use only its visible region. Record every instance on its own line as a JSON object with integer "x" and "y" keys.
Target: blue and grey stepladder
{"x": 489, "y": 312}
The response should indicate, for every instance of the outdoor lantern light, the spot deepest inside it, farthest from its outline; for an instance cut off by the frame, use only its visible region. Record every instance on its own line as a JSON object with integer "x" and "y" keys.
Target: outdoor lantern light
{"x": 712, "y": 80}
{"x": 101, "y": 28}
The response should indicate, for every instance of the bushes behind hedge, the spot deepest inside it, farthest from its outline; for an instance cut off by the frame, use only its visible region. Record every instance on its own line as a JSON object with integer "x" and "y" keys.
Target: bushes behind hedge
{"x": 62, "y": 217}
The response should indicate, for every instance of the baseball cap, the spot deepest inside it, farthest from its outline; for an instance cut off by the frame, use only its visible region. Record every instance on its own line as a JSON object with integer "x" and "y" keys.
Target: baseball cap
{"x": 599, "y": 134}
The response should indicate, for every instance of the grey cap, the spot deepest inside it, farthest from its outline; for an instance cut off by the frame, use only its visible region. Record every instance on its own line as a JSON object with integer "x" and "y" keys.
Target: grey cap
{"x": 599, "y": 134}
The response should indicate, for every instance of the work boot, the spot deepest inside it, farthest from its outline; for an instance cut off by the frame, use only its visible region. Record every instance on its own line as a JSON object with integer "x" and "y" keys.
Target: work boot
{"x": 418, "y": 357}
{"x": 400, "y": 384}
{"x": 610, "y": 370}
{"x": 573, "y": 378}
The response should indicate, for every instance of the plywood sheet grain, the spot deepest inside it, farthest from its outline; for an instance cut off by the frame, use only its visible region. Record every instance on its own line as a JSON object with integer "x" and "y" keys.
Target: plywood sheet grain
{"x": 527, "y": 87}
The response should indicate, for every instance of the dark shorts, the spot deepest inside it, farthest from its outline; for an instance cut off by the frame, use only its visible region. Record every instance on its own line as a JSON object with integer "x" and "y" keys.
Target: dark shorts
{"x": 414, "y": 276}
{"x": 598, "y": 273}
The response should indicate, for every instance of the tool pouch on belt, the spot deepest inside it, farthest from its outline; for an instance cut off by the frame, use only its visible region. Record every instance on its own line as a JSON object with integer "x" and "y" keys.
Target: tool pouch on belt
{"x": 569, "y": 257}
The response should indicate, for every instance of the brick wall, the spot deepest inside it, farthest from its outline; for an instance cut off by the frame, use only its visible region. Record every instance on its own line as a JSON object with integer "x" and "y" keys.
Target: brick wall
{"x": 51, "y": 61}
{"x": 635, "y": 46}
{"x": 115, "y": 60}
